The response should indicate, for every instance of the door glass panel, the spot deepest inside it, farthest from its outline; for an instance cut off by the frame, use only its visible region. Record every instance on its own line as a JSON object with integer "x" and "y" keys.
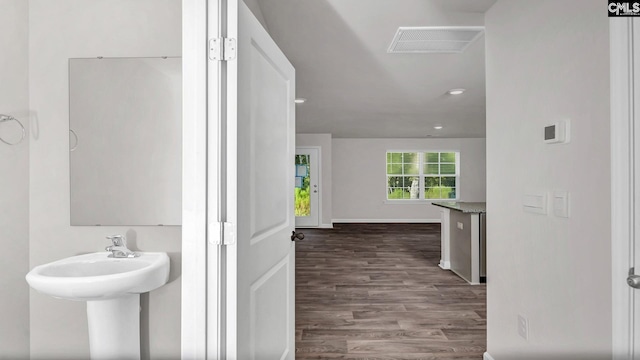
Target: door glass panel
{"x": 302, "y": 189}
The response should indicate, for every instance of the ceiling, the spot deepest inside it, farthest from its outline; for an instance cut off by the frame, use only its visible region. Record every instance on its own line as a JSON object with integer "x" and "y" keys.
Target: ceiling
{"x": 354, "y": 88}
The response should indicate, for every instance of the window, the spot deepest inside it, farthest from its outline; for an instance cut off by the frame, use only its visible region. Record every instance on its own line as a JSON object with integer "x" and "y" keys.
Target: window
{"x": 440, "y": 175}
{"x": 429, "y": 175}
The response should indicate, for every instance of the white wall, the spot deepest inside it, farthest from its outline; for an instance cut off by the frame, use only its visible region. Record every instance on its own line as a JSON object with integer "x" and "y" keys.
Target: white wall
{"x": 324, "y": 142}
{"x": 359, "y": 178}
{"x": 254, "y": 6}
{"x": 545, "y": 64}
{"x": 14, "y": 181}
{"x": 65, "y": 29}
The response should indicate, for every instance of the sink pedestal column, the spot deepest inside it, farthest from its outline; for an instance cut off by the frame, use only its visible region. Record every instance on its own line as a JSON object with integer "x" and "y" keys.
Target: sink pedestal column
{"x": 114, "y": 328}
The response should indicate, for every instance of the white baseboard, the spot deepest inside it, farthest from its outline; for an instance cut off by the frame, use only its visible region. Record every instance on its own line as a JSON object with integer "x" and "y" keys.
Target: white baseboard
{"x": 321, "y": 226}
{"x": 408, "y": 221}
{"x": 486, "y": 356}
{"x": 446, "y": 265}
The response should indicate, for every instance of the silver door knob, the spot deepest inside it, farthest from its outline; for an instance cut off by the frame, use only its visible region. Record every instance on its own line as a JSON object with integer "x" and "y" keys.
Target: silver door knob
{"x": 634, "y": 281}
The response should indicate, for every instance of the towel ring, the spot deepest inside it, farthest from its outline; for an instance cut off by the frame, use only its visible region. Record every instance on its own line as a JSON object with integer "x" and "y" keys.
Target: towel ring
{"x": 75, "y": 136}
{"x": 4, "y": 118}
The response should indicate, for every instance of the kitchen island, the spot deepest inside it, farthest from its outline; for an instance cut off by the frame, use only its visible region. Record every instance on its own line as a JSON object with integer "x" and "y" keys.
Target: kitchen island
{"x": 463, "y": 239}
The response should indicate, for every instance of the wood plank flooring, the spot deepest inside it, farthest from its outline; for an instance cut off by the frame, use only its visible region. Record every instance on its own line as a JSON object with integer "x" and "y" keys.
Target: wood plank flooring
{"x": 375, "y": 291}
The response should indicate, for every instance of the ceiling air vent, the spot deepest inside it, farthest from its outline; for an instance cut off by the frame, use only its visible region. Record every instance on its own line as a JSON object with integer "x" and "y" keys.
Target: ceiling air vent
{"x": 434, "y": 39}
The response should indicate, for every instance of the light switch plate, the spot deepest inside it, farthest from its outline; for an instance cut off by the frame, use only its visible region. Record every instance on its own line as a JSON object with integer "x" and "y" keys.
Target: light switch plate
{"x": 535, "y": 202}
{"x": 523, "y": 327}
{"x": 561, "y": 203}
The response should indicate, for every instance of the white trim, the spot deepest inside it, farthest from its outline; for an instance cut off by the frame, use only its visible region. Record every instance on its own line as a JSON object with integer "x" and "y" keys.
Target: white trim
{"x": 486, "y": 356}
{"x": 414, "y": 201}
{"x": 445, "y": 238}
{"x": 408, "y": 221}
{"x": 228, "y": 173}
{"x": 321, "y": 226}
{"x": 622, "y": 187}
{"x": 194, "y": 201}
{"x": 475, "y": 248}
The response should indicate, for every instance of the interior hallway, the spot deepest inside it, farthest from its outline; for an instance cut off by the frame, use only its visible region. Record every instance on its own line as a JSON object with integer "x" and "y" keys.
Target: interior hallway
{"x": 375, "y": 291}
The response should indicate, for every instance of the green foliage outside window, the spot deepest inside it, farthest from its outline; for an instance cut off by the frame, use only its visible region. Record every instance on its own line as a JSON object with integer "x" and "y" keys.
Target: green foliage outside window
{"x": 428, "y": 175}
{"x": 302, "y": 198}
{"x": 303, "y": 203}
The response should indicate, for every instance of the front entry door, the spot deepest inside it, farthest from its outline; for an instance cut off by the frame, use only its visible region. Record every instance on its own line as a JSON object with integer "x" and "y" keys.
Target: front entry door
{"x": 260, "y": 146}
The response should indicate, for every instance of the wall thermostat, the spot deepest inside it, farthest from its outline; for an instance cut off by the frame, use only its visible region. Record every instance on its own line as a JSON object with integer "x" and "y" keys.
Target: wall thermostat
{"x": 556, "y": 133}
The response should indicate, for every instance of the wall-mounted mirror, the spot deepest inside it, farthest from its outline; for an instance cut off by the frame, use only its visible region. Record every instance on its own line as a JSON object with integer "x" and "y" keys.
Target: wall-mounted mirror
{"x": 125, "y": 141}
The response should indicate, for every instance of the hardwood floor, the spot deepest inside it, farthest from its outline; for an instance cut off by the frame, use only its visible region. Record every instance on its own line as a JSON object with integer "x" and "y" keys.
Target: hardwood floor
{"x": 375, "y": 291}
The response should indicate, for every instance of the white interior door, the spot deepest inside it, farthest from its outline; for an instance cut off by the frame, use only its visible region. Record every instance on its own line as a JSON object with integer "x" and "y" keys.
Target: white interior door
{"x": 635, "y": 161}
{"x": 307, "y": 187}
{"x": 260, "y": 148}
{"x": 625, "y": 208}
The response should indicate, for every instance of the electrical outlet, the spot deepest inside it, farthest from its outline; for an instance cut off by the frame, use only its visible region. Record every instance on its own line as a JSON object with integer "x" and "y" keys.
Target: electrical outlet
{"x": 460, "y": 225}
{"x": 523, "y": 327}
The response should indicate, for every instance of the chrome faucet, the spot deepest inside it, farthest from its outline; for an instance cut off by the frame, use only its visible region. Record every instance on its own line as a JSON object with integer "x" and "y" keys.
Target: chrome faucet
{"x": 119, "y": 248}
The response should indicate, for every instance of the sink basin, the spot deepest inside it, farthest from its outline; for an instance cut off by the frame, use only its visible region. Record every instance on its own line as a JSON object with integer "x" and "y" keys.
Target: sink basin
{"x": 96, "y": 276}
{"x": 111, "y": 288}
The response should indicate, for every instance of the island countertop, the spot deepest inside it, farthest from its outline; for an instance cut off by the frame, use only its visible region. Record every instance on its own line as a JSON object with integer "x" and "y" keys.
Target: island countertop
{"x": 465, "y": 207}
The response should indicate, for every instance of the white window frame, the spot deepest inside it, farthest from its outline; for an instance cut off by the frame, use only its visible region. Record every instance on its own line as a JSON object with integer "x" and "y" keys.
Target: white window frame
{"x": 421, "y": 175}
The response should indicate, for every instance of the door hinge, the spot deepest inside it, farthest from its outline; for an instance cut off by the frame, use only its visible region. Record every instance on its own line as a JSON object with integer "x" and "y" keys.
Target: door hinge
{"x": 228, "y": 233}
{"x": 222, "y": 49}
{"x": 222, "y": 233}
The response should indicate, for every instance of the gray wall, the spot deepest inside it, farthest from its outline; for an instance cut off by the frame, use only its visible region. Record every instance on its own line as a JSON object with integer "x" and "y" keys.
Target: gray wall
{"x": 60, "y": 30}
{"x": 324, "y": 142}
{"x": 14, "y": 181}
{"x": 255, "y": 8}
{"x": 359, "y": 178}
{"x": 544, "y": 65}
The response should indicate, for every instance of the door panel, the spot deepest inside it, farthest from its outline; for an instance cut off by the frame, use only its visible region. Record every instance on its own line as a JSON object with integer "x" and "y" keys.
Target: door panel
{"x": 267, "y": 181}
{"x": 269, "y": 314}
{"x": 260, "y": 129}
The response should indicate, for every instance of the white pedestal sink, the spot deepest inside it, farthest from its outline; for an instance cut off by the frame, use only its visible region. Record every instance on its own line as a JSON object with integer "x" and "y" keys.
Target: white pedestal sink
{"x": 111, "y": 287}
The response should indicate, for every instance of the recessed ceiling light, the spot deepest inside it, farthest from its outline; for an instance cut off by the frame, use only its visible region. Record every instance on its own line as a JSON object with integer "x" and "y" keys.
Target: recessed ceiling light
{"x": 438, "y": 127}
{"x": 300, "y": 100}
{"x": 455, "y": 91}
